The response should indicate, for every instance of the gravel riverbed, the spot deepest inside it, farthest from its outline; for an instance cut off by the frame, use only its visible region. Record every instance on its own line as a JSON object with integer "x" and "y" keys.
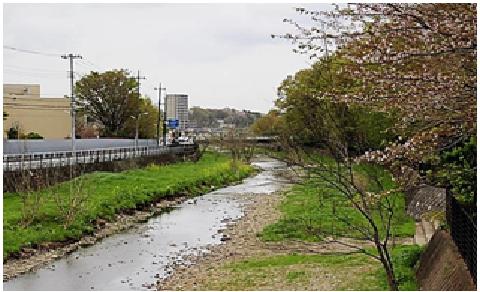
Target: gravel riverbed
{"x": 243, "y": 243}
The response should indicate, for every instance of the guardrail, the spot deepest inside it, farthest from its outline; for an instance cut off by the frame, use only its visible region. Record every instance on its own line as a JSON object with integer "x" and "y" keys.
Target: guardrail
{"x": 39, "y": 160}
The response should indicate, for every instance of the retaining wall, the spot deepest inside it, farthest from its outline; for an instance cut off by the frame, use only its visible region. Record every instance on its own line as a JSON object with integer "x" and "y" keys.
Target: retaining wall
{"x": 442, "y": 267}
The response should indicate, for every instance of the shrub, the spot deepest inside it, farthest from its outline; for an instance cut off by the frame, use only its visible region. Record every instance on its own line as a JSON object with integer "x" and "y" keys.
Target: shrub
{"x": 33, "y": 136}
{"x": 457, "y": 169}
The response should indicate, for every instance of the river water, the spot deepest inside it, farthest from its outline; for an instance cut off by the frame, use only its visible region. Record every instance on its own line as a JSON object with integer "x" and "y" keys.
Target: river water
{"x": 137, "y": 258}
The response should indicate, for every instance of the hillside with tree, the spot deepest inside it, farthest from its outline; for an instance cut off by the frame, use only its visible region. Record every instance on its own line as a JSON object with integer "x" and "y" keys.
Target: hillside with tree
{"x": 209, "y": 118}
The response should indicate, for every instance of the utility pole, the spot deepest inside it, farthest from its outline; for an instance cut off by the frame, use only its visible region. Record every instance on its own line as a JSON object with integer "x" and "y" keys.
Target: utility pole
{"x": 325, "y": 43}
{"x": 73, "y": 114}
{"x": 165, "y": 120}
{"x": 137, "y": 123}
{"x": 160, "y": 88}
{"x": 138, "y": 78}
{"x": 138, "y": 82}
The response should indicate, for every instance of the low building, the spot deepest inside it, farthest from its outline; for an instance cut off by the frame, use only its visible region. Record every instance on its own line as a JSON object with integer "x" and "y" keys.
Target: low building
{"x": 28, "y": 112}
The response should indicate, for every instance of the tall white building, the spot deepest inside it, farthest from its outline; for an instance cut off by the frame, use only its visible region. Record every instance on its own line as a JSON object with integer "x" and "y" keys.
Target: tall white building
{"x": 177, "y": 108}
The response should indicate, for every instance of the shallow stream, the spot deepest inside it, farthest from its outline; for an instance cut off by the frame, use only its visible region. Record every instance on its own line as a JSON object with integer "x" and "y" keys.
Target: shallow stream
{"x": 137, "y": 258}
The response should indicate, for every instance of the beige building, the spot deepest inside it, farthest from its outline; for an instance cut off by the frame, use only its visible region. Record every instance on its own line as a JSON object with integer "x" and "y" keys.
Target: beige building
{"x": 49, "y": 117}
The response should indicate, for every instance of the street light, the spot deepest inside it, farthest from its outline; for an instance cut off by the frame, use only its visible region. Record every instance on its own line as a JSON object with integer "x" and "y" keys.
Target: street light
{"x": 160, "y": 88}
{"x": 137, "y": 118}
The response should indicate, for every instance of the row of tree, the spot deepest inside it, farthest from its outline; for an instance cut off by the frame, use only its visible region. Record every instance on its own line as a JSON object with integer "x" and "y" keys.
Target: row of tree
{"x": 418, "y": 61}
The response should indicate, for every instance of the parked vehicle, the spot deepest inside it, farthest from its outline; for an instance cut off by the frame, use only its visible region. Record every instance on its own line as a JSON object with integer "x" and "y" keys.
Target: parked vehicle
{"x": 184, "y": 140}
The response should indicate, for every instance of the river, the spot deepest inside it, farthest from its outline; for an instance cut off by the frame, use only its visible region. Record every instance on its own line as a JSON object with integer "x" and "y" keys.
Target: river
{"x": 138, "y": 258}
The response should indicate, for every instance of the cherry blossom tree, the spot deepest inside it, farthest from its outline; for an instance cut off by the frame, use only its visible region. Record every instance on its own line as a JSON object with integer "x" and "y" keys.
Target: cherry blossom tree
{"x": 418, "y": 60}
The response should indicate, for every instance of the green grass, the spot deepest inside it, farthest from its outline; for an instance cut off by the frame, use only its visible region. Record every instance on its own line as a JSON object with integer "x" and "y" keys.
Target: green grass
{"x": 353, "y": 271}
{"x": 405, "y": 259}
{"x": 286, "y": 272}
{"x": 111, "y": 192}
{"x": 332, "y": 259}
{"x": 311, "y": 210}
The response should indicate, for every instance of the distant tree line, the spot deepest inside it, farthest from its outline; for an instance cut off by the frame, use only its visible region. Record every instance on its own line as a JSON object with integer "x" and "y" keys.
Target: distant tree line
{"x": 208, "y": 118}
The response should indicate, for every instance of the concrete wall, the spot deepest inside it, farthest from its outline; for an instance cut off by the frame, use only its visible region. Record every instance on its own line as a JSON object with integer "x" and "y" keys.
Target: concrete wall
{"x": 442, "y": 267}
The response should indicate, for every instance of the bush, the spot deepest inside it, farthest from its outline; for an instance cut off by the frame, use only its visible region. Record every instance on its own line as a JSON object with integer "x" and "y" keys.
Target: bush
{"x": 12, "y": 133}
{"x": 457, "y": 169}
{"x": 33, "y": 136}
{"x": 405, "y": 258}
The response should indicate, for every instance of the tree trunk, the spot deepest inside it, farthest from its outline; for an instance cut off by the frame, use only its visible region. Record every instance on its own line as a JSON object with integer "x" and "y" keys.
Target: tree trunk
{"x": 387, "y": 265}
{"x": 392, "y": 282}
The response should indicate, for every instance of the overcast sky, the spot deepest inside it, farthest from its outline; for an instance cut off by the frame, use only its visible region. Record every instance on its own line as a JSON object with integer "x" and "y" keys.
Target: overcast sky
{"x": 221, "y": 55}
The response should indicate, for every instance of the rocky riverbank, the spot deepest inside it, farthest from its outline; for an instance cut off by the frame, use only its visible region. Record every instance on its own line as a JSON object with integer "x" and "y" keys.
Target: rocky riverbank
{"x": 31, "y": 259}
{"x": 241, "y": 242}
{"x": 210, "y": 271}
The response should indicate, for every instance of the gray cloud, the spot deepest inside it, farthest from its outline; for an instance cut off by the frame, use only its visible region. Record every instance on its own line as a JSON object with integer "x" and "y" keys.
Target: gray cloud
{"x": 219, "y": 54}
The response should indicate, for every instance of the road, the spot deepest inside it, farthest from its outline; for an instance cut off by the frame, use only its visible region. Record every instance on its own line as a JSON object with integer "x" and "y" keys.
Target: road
{"x": 54, "y": 145}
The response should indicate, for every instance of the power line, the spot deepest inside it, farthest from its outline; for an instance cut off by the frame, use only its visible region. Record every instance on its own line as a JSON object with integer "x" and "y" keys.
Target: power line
{"x": 33, "y": 75}
{"x": 14, "y": 67}
{"x": 49, "y": 75}
{"x": 93, "y": 65}
{"x": 32, "y": 72}
{"x": 88, "y": 66}
{"x": 31, "y": 51}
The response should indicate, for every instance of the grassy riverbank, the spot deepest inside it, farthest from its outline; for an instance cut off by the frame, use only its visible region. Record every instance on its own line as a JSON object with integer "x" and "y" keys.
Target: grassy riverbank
{"x": 108, "y": 194}
{"x": 248, "y": 262}
{"x": 308, "y": 214}
{"x": 334, "y": 271}
{"x": 288, "y": 253}
{"x": 311, "y": 209}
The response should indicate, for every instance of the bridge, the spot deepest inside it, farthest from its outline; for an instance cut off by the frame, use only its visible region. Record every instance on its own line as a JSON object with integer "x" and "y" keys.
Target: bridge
{"x": 259, "y": 141}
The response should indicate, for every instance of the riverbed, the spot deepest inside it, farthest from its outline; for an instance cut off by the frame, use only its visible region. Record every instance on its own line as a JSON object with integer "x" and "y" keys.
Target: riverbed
{"x": 140, "y": 257}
